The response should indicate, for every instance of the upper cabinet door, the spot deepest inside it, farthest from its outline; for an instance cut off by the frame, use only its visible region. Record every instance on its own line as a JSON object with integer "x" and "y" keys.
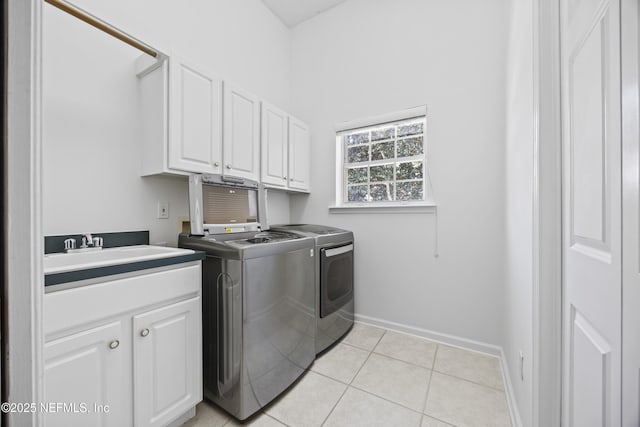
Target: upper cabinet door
{"x": 241, "y": 133}
{"x": 195, "y": 118}
{"x": 274, "y": 145}
{"x": 299, "y": 154}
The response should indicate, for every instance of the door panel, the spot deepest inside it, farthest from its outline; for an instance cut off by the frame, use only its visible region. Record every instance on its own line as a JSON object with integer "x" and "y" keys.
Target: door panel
{"x": 592, "y": 284}
{"x": 299, "y": 154}
{"x": 241, "y": 148}
{"x": 82, "y": 369}
{"x": 587, "y": 140}
{"x": 167, "y": 362}
{"x": 591, "y": 354}
{"x": 195, "y": 127}
{"x": 274, "y": 145}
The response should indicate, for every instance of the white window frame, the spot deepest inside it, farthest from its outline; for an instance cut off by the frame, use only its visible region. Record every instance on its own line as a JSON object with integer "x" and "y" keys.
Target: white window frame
{"x": 386, "y": 206}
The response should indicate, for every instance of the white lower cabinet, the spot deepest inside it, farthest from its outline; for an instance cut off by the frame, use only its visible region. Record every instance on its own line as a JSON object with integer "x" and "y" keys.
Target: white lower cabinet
{"x": 126, "y": 352}
{"x": 87, "y": 371}
{"x": 166, "y": 358}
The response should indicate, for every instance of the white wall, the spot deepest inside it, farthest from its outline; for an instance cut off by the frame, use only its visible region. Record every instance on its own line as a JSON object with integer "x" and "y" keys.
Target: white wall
{"x": 518, "y": 333}
{"x": 365, "y": 58}
{"x": 91, "y": 129}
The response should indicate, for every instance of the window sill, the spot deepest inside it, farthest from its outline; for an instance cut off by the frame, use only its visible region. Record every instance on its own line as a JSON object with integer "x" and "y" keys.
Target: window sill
{"x": 426, "y": 207}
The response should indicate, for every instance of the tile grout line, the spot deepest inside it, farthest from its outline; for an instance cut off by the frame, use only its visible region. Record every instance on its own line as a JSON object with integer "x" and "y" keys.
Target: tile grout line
{"x": 426, "y": 396}
{"x": 373, "y": 394}
{"x": 334, "y": 405}
{"x": 439, "y": 420}
{"x": 352, "y": 379}
{"x": 432, "y": 368}
{"x": 402, "y": 360}
{"x": 386, "y": 399}
{"x": 470, "y": 381}
{"x": 366, "y": 360}
{"x": 274, "y": 418}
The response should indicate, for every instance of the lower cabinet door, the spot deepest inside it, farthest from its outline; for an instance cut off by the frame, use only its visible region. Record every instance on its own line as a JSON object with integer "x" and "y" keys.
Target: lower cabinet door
{"x": 167, "y": 362}
{"x": 86, "y": 379}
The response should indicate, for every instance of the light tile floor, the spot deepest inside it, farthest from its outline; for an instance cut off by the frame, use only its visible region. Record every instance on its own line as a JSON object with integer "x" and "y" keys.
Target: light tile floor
{"x": 375, "y": 377}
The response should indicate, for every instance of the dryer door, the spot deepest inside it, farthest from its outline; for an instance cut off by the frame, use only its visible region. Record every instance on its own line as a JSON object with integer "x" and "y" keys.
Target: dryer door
{"x": 336, "y": 278}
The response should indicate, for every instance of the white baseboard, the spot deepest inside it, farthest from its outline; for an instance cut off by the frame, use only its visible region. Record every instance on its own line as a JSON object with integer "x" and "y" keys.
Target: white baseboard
{"x": 511, "y": 398}
{"x": 454, "y": 341}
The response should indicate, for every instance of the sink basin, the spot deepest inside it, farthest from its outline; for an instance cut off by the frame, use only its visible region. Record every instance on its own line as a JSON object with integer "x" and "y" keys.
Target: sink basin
{"x": 63, "y": 262}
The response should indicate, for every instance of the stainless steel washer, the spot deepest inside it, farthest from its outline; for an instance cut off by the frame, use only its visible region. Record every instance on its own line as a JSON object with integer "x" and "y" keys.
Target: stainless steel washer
{"x": 333, "y": 279}
{"x": 258, "y": 315}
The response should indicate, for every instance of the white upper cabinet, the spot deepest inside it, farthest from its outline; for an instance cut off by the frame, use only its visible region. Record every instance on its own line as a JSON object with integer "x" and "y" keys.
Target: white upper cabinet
{"x": 241, "y": 146}
{"x": 195, "y": 118}
{"x": 299, "y": 154}
{"x": 181, "y": 108}
{"x": 286, "y": 150}
{"x": 195, "y": 123}
{"x": 274, "y": 133}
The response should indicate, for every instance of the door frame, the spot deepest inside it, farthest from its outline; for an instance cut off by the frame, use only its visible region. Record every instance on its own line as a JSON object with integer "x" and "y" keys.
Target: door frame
{"x": 24, "y": 281}
{"x": 630, "y": 69}
{"x": 547, "y": 217}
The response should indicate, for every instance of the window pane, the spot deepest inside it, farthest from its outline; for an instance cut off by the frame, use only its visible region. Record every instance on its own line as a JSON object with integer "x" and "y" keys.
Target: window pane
{"x": 357, "y": 193}
{"x": 381, "y": 173}
{"x": 382, "y": 192}
{"x": 410, "y": 147}
{"x": 382, "y": 151}
{"x": 409, "y": 170}
{"x": 358, "y": 154}
{"x": 385, "y": 133}
{"x": 411, "y": 129}
{"x": 356, "y": 175}
{"x": 409, "y": 191}
{"x": 357, "y": 138}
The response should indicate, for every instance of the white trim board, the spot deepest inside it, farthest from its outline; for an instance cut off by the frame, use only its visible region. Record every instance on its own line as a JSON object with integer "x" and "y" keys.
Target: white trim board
{"x": 24, "y": 289}
{"x": 454, "y": 341}
{"x": 380, "y": 119}
{"x": 547, "y": 237}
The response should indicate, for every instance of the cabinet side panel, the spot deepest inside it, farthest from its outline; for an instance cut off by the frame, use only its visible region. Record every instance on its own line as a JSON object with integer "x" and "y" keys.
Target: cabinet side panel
{"x": 153, "y": 88}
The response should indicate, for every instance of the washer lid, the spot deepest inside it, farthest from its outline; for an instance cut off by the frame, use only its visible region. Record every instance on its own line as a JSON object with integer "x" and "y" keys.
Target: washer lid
{"x": 311, "y": 228}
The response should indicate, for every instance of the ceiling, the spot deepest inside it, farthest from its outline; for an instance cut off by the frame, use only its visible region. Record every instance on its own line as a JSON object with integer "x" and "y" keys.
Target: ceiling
{"x": 293, "y": 12}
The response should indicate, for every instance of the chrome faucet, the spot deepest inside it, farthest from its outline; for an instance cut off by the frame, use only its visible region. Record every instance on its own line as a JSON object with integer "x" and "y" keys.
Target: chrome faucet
{"x": 87, "y": 241}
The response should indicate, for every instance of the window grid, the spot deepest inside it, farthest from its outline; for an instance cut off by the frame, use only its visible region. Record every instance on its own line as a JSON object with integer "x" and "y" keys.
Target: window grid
{"x": 391, "y": 190}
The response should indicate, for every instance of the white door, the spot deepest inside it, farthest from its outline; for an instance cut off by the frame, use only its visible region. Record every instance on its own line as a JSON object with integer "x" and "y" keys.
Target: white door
{"x": 274, "y": 141}
{"x": 88, "y": 368}
{"x": 299, "y": 154}
{"x": 167, "y": 362}
{"x": 241, "y": 149}
{"x": 592, "y": 284}
{"x": 195, "y": 118}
